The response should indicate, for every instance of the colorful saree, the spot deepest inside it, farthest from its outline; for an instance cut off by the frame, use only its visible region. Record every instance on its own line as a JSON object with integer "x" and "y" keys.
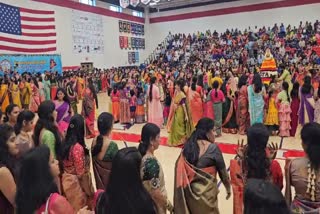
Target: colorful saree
{"x": 155, "y": 110}
{"x": 63, "y": 115}
{"x": 46, "y": 88}
{"x": 35, "y": 98}
{"x": 81, "y": 85}
{"x": 56, "y": 204}
{"x": 238, "y": 179}
{"x": 196, "y": 105}
{"x": 15, "y": 94}
{"x": 180, "y": 129}
{"x": 53, "y": 90}
{"x": 4, "y": 97}
{"x": 256, "y": 106}
{"x": 306, "y": 109}
{"x": 25, "y": 94}
{"x": 140, "y": 112}
{"x": 195, "y": 190}
{"x": 230, "y": 120}
{"x": 88, "y": 111}
{"x": 124, "y": 110}
{"x": 243, "y": 117}
{"x": 115, "y": 98}
{"x": 76, "y": 168}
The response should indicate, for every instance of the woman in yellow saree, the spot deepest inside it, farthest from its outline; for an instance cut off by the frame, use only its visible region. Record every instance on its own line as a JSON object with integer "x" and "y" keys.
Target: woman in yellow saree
{"x": 4, "y": 95}
{"x": 81, "y": 87}
{"x": 180, "y": 122}
{"x": 15, "y": 93}
{"x": 195, "y": 189}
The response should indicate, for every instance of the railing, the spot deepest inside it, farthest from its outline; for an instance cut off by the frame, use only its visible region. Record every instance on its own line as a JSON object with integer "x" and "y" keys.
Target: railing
{"x": 153, "y": 56}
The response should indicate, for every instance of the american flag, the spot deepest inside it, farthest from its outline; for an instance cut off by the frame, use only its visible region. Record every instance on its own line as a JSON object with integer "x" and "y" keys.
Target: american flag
{"x": 25, "y": 30}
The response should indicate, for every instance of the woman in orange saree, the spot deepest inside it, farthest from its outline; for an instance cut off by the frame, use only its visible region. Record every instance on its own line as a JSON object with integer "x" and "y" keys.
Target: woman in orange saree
{"x": 35, "y": 96}
{"x": 4, "y": 95}
{"x": 254, "y": 160}
{"x": 195, "y": 96}
{"x": 195, "y": 188}
{"x": 81, "y": 87}
{"x": 115, "y": 98}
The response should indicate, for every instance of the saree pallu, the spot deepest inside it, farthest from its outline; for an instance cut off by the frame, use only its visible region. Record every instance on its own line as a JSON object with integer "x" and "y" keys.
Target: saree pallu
{"x": 230, "y": 119}
{"x": 35, "y": 99}
{"x": 124, "y": 111}
{"x": 243, "y": 117}
{"x": 15, "y": 93}
{"x": 299, "y": 206}
{"x": 116, "y": 110}
{"x": 306, "y": 109}
{"x": 53, "y": 91}
{"x": 237, "y": 184}
{"x": 63, "y": 116}
{"x": 256, "y": 106}
{"x": 208, "y": 109}
{"x": 88, "y": 106}
{"x": 180, "y": 129}
{"x": 4, "y": 97}
{"x": 218, "y": 116}
{"x": 101, "y": 170}
{"x": 294, "y": 116}
{"x": 196, "y": 106}
{"x": 195, "y": 190}
{"x": 140, "y": 114}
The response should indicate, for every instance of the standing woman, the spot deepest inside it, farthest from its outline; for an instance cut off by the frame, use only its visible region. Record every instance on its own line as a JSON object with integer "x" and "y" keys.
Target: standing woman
{"x": 90, "y": 102}
{"x": 124, "y": 103}
{"x": 35, "y": 96}
{"x": 15, "y": 92}
{"x": 306, "y": 109}
{"x": 115, "y": 98}
{"x": 295, "y": 103}
{"x": 196, "y": 169}
{"x": 103, "y": 150}
{"x": 303, "y": 173}
{"x": 254, "y": 160}
{"x": 243, "y": 116}
{"x": 46, "y": 87}
{"x": 256, "y": 94}
{"x": 26, "y": 92}
{"x": 140, "y": 113}
{"x": 22, "y": 129}
{"x": 4, "y": 94}
{"x": 76, "y": 178}
{"x": 151, "y": 170}
{"x": 8, "y": 150}
{"x": 81, "y": 86}
{"x": 73, "y": 97}
{"x": 12, "y": 112}
{"x": 64, "y": 112}
{"x": 154, "y": 105}
{"x": 283, "y": 100}
{"x": 41, "y": 89}
{"x": 217, "y": 97}
{"x": 195, "y": 96}
{"x": 180, "y": 122}
{"x": 54, "y": 86}
{"x": 46, "y": 130}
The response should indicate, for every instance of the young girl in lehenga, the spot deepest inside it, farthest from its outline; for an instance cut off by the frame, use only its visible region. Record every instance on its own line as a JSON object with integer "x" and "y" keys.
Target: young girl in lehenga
{"x": 272, "y": 118}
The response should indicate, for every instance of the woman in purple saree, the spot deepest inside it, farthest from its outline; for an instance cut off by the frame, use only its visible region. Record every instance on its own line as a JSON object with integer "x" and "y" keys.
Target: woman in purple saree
{"x": 64, "y": 112}
{"x": 306, "y": 109}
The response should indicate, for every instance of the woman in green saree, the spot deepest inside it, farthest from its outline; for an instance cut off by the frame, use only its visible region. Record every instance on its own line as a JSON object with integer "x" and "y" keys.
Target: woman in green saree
{"x": 180, "y": 123}
{"x": 196, "y": 188}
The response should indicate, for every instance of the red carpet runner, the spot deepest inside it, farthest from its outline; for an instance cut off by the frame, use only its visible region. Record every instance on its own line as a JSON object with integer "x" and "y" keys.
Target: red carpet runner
{"x": 226, "y": 148}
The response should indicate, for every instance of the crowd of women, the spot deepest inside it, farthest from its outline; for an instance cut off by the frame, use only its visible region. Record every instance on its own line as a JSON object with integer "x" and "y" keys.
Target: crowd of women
{"x": 49, "y": 172}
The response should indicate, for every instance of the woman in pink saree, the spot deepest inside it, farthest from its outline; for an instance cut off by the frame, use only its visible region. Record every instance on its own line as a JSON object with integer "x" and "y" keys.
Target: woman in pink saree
{"x": 64, "y": 112}
{"x": 154, "y": 105}
{"x": 195, "y": 99}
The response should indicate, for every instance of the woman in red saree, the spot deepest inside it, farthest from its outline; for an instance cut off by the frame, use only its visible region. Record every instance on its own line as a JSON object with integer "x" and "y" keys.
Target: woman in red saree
{"x": 35, "y": 96}
{"x": 115, "y": 98}
{"x": 254, "y": 161}
{"x": 295, "y": 103}
{"x": 195, "y": 96}
{"x": 90, "y": 102}
{"x": 76, "y": 178}
{"x": 195, "y": 188}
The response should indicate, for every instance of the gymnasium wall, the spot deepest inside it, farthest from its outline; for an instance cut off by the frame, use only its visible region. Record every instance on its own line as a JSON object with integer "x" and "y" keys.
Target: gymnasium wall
{"x": 112, "y": 56}
{"x": 240, "y": 14}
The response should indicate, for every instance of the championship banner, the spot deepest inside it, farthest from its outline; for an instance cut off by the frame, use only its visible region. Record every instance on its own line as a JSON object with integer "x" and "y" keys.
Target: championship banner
{"x": 30, "y": 63}
{"x": 134, "y": 2}
{"x": 120, "y": 26}
{"x": 133, "y": 28}
{"x": 124, "y": 3}
{"x": 125, "y": 42}
{"x": 128, "y": 27}
{"x": 121, "y": 41}
{"x": 129, "y": 42}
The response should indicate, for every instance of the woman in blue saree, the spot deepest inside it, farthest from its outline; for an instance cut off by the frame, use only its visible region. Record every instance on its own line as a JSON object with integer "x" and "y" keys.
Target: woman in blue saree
{"x": 256, "y": 94}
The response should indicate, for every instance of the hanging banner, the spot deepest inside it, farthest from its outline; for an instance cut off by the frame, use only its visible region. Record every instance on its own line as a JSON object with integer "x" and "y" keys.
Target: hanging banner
{"x": 134, "y": 2}
{"x": 145, "y": 1}
{"x": 124, "y": 3}
{"x": 30, "y": 63}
